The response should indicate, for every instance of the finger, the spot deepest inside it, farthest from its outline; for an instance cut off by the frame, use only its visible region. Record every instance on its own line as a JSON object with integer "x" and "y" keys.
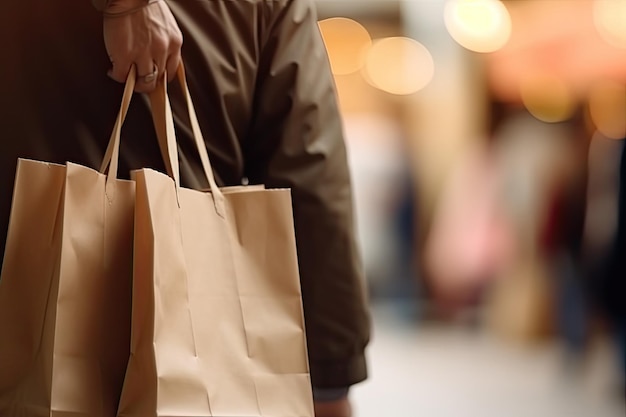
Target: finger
{"x": 147, "y": 74}
{"x": 119, "y": 71}
{"x": 161, "y": 65}
{"x": 173, "y": 62}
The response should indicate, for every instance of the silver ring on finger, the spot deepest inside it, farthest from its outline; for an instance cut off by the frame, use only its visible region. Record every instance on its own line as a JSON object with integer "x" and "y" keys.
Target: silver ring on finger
{"x": 150, "y": 77}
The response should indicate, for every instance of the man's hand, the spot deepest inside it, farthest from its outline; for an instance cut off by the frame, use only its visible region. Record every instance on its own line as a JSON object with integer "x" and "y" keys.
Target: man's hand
{"x": 339, "y": 408}
{"x": 147, "y": 36}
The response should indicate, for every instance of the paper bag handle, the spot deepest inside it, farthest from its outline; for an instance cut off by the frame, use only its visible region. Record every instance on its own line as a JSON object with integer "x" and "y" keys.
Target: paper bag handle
{"x": 112, "y": 154}
{"x": 164, "y": 125}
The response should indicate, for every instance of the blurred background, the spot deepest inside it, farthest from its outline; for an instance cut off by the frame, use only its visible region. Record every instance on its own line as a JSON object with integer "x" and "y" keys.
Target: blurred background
{"x": 486, "y": 140}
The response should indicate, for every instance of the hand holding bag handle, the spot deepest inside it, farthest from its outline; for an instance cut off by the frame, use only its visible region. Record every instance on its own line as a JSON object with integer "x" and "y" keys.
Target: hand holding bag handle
{"x": 164, "y": 125}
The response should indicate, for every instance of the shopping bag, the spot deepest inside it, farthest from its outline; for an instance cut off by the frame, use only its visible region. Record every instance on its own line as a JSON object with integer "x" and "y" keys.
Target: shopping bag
{"x": 217, "y": 320}
{"x": 65, "y": 288}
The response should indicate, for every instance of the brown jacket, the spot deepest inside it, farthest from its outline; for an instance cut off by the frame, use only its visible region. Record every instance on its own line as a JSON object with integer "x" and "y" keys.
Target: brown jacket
{"x": 260, "y": 79}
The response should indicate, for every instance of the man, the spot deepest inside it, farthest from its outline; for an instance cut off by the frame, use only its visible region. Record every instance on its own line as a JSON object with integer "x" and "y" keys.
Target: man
{"x": 259, "y": 76}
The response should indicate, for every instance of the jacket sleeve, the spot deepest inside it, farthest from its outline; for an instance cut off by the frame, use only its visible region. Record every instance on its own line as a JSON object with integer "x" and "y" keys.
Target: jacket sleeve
{"x": 99, "y": 4}
{"x": 296, "y": 142}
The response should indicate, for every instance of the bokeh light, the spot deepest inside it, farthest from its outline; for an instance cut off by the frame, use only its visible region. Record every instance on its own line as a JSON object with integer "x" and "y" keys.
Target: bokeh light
{"x": 346, "y": 41}
{"x": 399, "y": 65}
{"x": 478, "y": 25}
{"x": 548, "y": 98}
{"x": 609, "y": 17}
{"x": 607, "y": 108}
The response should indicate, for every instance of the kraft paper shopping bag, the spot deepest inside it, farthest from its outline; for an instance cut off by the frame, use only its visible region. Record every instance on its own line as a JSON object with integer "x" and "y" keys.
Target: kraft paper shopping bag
{"x": 217, "y": 326}
{"x": 65, "y": 289}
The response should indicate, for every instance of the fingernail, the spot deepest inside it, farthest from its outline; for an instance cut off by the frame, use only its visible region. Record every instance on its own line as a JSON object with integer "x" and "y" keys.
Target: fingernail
{"x": 110, "y": 74}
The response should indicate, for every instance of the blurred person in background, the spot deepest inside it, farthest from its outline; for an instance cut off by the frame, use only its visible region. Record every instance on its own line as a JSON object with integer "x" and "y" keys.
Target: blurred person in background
{"x": 261, "y": 83}
{"x": 407, "y": 288}
{"x": 561, "y": 237}
{"x": 384, "y": 194}
{"x": 542, "y": 166}
{"x": 607, "y": 252}
{"x": 470, "y": 241}
{"x": 618, "y": 286}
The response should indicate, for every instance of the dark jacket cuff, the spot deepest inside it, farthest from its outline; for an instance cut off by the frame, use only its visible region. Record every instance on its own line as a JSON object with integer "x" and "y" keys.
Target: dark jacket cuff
{"x": 99, "y": 4}
{"x": 338, "y": 373}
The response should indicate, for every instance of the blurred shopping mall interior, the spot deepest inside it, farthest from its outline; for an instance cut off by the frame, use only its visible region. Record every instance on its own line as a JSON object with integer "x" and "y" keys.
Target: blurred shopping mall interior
{"x": 486, "y": 142}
